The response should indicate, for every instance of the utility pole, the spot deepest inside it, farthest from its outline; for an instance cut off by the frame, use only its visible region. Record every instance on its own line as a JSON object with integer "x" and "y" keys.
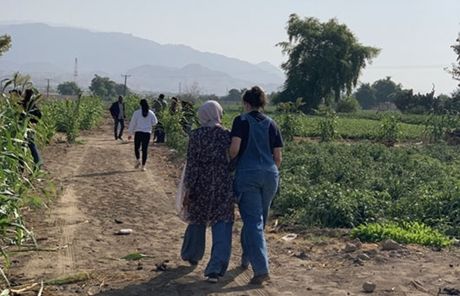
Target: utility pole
{"x": 75, "y": 71}
{"x": 47, "y": 87}
{"x": 126, "y": 80}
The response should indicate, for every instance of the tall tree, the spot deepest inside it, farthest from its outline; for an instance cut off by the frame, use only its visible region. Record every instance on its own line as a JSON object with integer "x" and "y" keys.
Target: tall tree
{"x": 456, "y": 68}
{"x": 324, "y": 59}
{"x": 5, "y": 44}
{"x": 385, "y": 89}
{"x": 68, "y": 88}
{"x": 106, "y": 88}
{"x": 365, "y": 95}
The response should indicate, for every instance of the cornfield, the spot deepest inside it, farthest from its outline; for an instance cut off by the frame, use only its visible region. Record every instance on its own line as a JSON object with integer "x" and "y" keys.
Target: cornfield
{"x": 18, "y": 172}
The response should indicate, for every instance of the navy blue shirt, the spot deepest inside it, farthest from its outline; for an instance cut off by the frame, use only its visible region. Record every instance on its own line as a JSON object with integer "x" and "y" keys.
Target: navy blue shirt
{"x": 240, "y": 129}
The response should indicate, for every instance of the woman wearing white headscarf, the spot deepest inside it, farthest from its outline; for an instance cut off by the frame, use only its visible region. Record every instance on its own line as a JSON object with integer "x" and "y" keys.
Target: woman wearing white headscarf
{"x": 209, "y": 199}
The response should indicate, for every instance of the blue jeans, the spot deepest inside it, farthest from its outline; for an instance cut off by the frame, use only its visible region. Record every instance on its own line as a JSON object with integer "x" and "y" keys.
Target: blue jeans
{"x": 195, "y": 243}
{"x": 255, "y": 190}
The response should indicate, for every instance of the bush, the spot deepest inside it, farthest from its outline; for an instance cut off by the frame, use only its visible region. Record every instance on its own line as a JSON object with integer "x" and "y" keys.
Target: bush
{"x": 328, "y": 125}
{"x": 348, "y": 105}
{"x": 405, "y": 232}
{"x": 389, "y": 131}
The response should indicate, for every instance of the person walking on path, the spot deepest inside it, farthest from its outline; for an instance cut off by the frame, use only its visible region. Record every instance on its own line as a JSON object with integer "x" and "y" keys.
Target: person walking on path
{"x": 256, "y": 144}
{"x": 209, "y": 198}
{"x": 118, "y": 112}
{"x": 141, "y": 124}
{"x": 34, "y": 114}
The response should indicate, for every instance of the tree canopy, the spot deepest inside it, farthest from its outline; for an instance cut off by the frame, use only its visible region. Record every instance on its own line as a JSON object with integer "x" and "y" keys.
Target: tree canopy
{"x": 68, "y": 88}
{"x": 456, "y": 68}
{"x": 106, "y": 88}
{"x": 5, "y": 44}
{"x": 324, "y": 60}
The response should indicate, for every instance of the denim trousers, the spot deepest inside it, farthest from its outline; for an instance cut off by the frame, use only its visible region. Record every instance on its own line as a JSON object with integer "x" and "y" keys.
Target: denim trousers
{"x": 255, "y": 191}
{"x": 195, "y": 242}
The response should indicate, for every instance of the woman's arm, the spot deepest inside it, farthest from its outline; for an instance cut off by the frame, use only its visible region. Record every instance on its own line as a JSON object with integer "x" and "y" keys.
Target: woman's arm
{"x": 277, "y": 156}
{"x": 235, "y": 147}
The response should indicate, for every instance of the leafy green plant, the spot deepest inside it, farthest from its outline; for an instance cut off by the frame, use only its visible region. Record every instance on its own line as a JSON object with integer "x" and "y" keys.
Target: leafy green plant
{"x": 342, "y": 185}
{"x": 348, "y": 105}
{"x": 327, "y": 125}
{"x": 176, "y": 137}
{"x": 404, "y": 232}
{"x": 437, "y": 125}
{"x": 389, "y": 131}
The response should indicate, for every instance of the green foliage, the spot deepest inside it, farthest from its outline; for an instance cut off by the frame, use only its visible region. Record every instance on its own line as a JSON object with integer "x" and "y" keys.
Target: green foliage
{"x": 68, "y": 88}
{"x": 17, "y": 82}
{"x": 385, "y": 89}
{"x": 18, "y": 171}
{"x": 455, "y": 71}
{"x": 105, "y": 88}
{"x": 436, "y": 126}
{"x": 389, "y": 131}
{"x": 176, "y": 137}
{"x": 327, "y": 125}
{"x": 71, "y": 116}
{"x": 5, "y": 44}
{"x": 234, "y": 95}
{"x": 365, "y": 95}
{"x": 341, "y": 185}
{"x": 348, "y": 105}
{"x": 331, "y": 53}
{"x": 404, "y": 232}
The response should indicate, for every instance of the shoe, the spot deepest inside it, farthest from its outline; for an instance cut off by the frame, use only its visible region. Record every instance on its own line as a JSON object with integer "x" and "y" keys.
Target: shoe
{"x": 137, "y": 165}
{"x": 193, "y": 262}
{"x": 259, "y": 279}
{"x": 143, "y": 168}
{"x": 121, "y": 139}
{"x": 212, "y": 278}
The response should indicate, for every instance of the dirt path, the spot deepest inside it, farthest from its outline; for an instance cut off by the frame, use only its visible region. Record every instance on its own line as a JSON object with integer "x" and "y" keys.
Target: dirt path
{"x": 100, "y": 185}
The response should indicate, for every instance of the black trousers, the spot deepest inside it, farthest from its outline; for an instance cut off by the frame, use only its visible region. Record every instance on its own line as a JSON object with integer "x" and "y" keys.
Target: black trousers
{"x": 118, "y": 134}
{"x": 141, "y": 140}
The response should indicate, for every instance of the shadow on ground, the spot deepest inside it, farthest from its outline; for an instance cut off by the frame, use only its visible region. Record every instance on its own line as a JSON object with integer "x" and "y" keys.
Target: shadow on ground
{"x": 178, "y": 282}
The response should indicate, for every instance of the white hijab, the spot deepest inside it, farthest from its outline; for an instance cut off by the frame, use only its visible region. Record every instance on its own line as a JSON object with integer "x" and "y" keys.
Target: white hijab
{"x": 210, "y": 114}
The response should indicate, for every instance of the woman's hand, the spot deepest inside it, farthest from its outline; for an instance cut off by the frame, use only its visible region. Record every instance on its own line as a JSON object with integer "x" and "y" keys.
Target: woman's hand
{"x": 186, "y": 201}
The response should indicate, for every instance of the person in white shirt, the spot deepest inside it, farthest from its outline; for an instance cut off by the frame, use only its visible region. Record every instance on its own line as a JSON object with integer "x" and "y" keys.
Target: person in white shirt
{"x": 141, "y": 125}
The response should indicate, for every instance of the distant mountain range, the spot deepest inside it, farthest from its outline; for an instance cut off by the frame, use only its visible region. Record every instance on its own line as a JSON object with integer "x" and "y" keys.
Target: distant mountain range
{"x": 45, "y": 51}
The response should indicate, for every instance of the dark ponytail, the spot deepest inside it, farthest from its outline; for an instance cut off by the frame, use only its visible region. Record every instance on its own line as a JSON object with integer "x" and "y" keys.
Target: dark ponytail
{"x": 145, "y": 107}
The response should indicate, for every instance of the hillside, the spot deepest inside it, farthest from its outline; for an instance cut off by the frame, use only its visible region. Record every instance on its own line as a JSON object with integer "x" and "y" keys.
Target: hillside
{"x": 49, "y": 52}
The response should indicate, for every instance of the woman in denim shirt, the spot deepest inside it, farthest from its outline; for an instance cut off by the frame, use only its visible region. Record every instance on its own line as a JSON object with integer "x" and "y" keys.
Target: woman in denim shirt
{"x": 256, "y": 143}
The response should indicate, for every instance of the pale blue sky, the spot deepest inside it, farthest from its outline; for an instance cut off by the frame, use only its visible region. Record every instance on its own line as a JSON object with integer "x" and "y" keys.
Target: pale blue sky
{"x": 414, "y": 35}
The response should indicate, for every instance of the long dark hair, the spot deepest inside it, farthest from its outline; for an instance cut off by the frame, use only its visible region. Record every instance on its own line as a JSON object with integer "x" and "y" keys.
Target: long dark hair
{"x": 145, "y": 107}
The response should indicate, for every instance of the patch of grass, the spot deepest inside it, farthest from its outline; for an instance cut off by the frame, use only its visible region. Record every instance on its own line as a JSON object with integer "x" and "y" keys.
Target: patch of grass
{"x": 405, "y": 232}
{"x": 134, "y": 256}
{"x": 69, "y": 279}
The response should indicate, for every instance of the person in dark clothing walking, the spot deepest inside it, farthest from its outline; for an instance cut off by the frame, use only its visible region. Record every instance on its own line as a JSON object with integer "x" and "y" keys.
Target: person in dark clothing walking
{"x": 118, "y": 111}
{"x": 34, "y": 114}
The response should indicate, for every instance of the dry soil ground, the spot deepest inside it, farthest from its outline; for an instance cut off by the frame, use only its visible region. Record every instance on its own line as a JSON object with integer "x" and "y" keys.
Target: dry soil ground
{"x": 99, "y": 185}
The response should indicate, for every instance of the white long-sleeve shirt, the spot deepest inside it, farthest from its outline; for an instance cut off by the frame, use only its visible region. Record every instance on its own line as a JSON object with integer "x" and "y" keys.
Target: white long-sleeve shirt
{"x": 140, "y": 123}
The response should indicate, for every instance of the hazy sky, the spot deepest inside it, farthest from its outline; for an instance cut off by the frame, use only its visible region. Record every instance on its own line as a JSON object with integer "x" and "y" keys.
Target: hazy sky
{"x": 414, "y": 35}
